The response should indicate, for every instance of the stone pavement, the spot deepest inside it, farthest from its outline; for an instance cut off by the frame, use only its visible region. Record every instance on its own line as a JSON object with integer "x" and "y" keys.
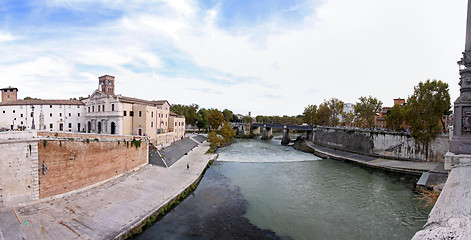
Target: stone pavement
{"x": 109, "y": 210}
{"x": 436, "y": 171}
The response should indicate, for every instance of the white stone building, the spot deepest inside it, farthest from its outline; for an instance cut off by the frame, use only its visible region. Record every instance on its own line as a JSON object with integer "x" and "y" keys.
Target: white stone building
{"x": 52, "y": 115}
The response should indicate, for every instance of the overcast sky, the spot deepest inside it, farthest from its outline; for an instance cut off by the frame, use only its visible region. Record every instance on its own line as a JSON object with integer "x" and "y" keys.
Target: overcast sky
{"x": 270, "y": 57}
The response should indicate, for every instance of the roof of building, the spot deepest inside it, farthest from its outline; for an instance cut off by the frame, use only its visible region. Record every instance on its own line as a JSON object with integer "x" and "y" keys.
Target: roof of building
{"x": 9, "y": 88}
{"x": 176, "y": 115}
{"x": 42, "y": 102}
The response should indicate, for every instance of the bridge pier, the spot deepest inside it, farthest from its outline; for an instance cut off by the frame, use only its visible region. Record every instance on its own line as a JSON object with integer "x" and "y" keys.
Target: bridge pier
{"x": 310, "y": 135}
{"x": 267, "y": 133}
{"x": 256, "y": 131}
{"x": 285, "y": 140}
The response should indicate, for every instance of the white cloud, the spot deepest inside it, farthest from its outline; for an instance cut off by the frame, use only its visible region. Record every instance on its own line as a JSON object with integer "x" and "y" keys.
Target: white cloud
{"x": 6, "y": 37}
{"x": 345, "y": 49}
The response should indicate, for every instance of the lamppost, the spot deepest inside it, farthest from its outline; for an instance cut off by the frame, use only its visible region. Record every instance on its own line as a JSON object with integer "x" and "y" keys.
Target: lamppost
{"x": 460, "y": 144}
{"x": 32, "y": 116}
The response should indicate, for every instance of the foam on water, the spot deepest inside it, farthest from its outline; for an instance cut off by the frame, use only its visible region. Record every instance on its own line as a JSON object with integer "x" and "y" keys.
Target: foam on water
{"x": 263, "y": 151}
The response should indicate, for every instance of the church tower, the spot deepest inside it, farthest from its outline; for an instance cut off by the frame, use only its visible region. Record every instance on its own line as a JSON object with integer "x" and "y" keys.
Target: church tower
{"x": 9, "y": 94}
{"x": 106, "y": 84}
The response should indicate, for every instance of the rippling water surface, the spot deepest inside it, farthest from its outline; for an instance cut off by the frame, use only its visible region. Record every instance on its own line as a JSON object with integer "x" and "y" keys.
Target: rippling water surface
{"x": 262, "y": 190}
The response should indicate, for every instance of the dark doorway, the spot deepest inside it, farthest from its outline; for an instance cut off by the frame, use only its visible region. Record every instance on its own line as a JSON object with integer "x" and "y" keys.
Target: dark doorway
{"x": 113, "y": 128}
{"x": 99, "y": 127}
{"x": 140, "y": 131}
{"x": 89, "y": 128}
{"x": 61, "y": 127}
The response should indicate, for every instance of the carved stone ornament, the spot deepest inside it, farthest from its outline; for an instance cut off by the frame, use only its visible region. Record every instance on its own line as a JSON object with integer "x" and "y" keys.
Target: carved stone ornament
{"x": 466, "y": 59}
{"x": 466, "y": 125}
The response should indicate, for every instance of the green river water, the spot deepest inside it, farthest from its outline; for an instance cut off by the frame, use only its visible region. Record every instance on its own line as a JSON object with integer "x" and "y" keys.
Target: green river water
{"x": 263, "y": 190}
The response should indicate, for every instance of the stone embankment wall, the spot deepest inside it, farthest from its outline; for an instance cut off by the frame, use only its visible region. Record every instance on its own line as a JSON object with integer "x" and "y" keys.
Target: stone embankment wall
{"x": 381, "y": 143}
{"x": 18, "y": 168}
{"x": 166, "y": 138}
{"x": 38, "y": 165}
{"x": 74, "y": 162}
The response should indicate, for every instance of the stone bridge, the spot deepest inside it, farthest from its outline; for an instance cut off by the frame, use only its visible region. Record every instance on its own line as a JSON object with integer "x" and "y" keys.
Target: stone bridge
{"x": 267, "y": 132}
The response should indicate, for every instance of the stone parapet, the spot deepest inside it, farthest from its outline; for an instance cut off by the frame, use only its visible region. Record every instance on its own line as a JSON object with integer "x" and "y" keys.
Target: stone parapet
{"x": 450, "y": 218}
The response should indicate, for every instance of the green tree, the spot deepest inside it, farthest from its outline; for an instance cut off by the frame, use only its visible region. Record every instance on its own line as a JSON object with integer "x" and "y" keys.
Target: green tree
{"x": 336, "y": 109}
{"x": 202, "y": 119}
{"x": 228, "y": 115}
{"x": 247, "y": 119}
{"x": 395, "y": 117}
{"x": 30, "y": 98}
{"x": 227, "y": 132}
{"x": 425, "y": 108}
{"x": 310, "y": 114}
{"x": 366, "y": 110}
{"x": 215, "y": 119}
{"x": 323, "y": 114}
{"x": 348, "y": 118}
{"x": 190, "y": 112}
{"x": 214, "y": 141}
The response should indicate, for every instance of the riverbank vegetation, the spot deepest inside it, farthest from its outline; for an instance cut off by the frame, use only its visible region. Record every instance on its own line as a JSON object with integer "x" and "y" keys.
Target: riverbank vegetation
{"x": 424, "y": 113}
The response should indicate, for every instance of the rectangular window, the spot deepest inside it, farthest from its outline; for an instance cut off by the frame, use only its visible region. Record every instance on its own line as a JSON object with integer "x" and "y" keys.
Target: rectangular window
{"x": 21, "y": 122}
{"x": 88, "y": 109}
{"x": 21, "y": 115}
{"x": 70, "y": 114}
{"x": 131, "y": 113}
{"x": 103, "y": 108}
{"x": 13, "y": 111}
{"x": 152, "y": 114}
{"x": 50, "y": 114}
{"x": 93, "y": 108}
{"x": 99, "y": 108}
{"x": 50, "y": 125}
{"x": 78, "y": 114}
{"x": 50, "y": 106}
{"x": 78, "y": 127}
{"x": 32, "y": 114}
{"x": 140, "y": 114}
{"x": 112, "y": 107}
{"x": 124, "y": 113}
{"x": 151, "y": 124}
{"x": 60, "y": 114}
{"x": 70, "y": 125}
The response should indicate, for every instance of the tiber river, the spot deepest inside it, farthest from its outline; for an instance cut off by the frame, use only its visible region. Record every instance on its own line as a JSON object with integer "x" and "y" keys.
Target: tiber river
{"x": 263, "y": 190}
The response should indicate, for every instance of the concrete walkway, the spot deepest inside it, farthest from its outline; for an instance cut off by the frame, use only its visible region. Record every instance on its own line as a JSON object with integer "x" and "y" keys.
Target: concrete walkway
{"x": 436, "y": 174}
{"x": 110, "y": 210}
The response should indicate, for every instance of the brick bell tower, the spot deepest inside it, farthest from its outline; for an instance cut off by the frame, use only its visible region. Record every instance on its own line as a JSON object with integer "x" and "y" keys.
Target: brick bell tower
{"x": 9, "y": 94}
{"x": 106, "y": 84}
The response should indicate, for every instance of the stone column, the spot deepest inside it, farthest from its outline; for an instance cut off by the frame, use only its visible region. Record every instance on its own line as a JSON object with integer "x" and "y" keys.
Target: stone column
{"x": 285, "y": 140}
{"x": 265, "y": 133}
{"x": 460, "y": 144}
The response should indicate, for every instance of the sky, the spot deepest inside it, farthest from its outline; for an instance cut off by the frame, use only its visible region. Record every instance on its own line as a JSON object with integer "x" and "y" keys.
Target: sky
{"x": 269, "y": 57}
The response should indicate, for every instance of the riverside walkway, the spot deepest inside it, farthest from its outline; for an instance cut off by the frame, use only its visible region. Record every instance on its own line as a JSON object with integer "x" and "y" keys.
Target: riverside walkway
{"x": 109, "y": 210}
{"x": 434, "y": 171}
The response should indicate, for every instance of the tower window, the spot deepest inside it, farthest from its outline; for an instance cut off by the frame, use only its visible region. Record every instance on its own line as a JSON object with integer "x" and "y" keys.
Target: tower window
{"x": 131, "y": 113}
{"x": 112, "y": 107}
{"x": 140, "y": 114}
{"x": 124, "y": 113}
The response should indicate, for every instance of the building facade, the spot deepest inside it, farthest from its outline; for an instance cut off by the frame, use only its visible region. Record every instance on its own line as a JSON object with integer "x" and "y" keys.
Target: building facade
{"x": 52, "y": 115}
{"x": 102, "y": 112}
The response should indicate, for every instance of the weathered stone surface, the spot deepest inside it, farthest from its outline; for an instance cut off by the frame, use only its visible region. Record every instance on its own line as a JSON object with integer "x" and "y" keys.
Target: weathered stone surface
{"x": 450, "y": 218}
{"x": 381, "y": 143}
